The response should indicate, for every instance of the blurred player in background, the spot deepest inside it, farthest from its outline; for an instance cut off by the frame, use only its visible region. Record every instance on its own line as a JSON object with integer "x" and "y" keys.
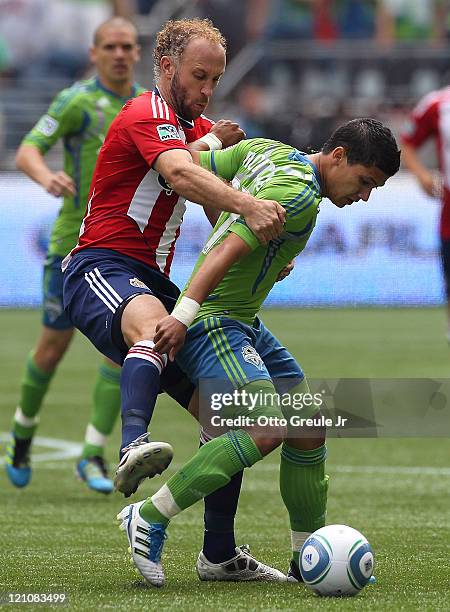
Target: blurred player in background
{"x": 431, "y": 119}
{"x": 226, "y": 341}
{"x": 80, "y": 116}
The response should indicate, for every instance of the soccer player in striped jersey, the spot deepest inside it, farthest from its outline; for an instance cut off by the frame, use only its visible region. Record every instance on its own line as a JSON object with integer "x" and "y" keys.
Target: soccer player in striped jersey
{"x": 79, "y": 115}
{"x": 117, "y": 285}
{"x": 227, "y": 348}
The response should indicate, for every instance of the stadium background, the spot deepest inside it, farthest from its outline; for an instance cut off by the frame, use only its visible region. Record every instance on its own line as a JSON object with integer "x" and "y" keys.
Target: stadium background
{"x": 297, "y": 69}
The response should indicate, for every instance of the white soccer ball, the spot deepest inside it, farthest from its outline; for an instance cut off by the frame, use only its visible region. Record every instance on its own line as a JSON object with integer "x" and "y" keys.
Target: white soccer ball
{"x": 336, "y": 560}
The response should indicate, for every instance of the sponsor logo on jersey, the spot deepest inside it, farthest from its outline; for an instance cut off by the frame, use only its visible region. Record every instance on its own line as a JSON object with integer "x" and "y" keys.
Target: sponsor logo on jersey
{"x": 47, "y": 125}
{"x": 251, "y": 355}
{"x": 164, "y": 185}
{"x": 135, "y": 282}
{"x": 167, "y": 132}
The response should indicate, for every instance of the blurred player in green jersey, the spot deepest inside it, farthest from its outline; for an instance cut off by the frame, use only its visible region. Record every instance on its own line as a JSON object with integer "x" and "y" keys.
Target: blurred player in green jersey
{"x": 234, "y": 359}
{"x": 79, "y": 115}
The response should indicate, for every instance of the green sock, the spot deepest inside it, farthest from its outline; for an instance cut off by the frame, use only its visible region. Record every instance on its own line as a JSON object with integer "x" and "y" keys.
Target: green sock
{"x": 34, "y": 386}
{"x": 105, "y": 411}
{"x": 209, "y": 469}
{"x": 303, "y": 486}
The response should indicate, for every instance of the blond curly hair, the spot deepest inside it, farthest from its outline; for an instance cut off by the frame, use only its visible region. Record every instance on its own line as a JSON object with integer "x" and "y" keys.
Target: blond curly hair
{"x": 173, "y": 39}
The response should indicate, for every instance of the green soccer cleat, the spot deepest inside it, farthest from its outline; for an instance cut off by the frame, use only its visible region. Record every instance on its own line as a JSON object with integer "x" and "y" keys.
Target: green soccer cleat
{"x": 146, "y": 543}
{"x": 17, "y": 462}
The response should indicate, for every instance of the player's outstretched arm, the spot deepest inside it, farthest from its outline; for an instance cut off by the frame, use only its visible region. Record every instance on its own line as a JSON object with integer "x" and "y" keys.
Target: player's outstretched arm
{"x": 31, "y": 161}
{"x": 428, "y": 180}
{"x": 171, "y": 331}
{"x": 264, "y": 217}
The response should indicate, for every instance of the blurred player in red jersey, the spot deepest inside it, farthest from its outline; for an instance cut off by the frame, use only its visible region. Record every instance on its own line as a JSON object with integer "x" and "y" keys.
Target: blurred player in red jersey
{"x": 431, "y": 119}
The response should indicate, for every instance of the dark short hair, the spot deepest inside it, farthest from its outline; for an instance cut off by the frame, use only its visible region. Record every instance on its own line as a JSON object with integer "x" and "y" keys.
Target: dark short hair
{"x": 368, "y": 142}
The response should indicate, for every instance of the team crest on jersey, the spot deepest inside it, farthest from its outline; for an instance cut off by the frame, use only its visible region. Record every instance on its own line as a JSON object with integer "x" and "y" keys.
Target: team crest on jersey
{"x": 135, "y": 282}
{"x": 47, "y": 125}
{"x": 103, "y": 102}
{"x": 251, "y": 355}
{"x": 53, "y": 308}
{"x": 167, "y": 132}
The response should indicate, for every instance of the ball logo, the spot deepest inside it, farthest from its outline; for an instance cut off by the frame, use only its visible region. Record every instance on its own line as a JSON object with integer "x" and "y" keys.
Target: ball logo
{"x": 366, "y": 564}
{"x": 310, "y": 557}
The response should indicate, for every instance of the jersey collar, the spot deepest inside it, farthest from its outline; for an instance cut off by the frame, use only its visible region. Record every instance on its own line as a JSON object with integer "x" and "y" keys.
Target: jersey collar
{"x": 302, "y": 157}
{"x": 185, "y": 123}
{"x": 134, "y": 88}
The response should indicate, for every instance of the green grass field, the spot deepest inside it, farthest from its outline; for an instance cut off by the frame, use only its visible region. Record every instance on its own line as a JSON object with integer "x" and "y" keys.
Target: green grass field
{"x": 58, "y": 537}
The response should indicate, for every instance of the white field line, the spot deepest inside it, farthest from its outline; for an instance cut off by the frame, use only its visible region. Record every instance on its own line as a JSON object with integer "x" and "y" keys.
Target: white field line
{"x": 63, "y": 449}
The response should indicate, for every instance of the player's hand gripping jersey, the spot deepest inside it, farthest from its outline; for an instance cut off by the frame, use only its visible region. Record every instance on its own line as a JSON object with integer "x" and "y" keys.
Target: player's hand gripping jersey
{"x": 131, "y": 208}
{"x": 81, "y": 116}
{"x": 268, "y": 170}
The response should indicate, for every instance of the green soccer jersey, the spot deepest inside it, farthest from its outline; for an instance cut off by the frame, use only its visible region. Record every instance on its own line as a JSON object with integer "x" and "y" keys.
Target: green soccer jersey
{"x": 267, "y": 170}
{"x": 81, "y": 116}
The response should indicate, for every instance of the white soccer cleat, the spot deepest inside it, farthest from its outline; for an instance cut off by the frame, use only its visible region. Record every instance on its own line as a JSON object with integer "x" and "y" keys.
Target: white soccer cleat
{"x": 141, "y": 460}
{"x": 242, "y": 567}
{"x": 146, "y": 543}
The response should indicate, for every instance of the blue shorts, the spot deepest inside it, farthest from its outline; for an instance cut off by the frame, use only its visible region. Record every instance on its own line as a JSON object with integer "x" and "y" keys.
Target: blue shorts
{"x": 98, "y": 283}
{"x": 53, "y": 314}
{"x": 235, "y": 354}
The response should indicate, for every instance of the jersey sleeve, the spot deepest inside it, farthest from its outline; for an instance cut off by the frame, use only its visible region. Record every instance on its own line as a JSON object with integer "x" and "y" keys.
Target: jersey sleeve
{"x": 224, "y": 163}
{"x": 298, "y": 198}
{"x": 153, "y": 136}
{"x": 64, "y": 116}
{"x": 422, "y": 123}
{"x": 241, "y": 229}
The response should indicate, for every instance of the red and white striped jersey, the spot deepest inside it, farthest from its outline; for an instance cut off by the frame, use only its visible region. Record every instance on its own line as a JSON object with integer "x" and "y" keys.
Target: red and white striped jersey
{"x": 431, "y": 119}
{"x": 131, "y": 209}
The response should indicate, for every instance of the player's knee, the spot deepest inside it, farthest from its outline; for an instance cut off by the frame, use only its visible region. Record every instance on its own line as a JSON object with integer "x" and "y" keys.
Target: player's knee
{"x": 50, "y": 350}
{"x": 270, "y": 440}
{"x": 140, "y": 317}
{"x": 309, "y": 436}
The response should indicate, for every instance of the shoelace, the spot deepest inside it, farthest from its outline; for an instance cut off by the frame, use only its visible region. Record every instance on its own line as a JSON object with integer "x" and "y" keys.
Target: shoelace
{"x": 245, "y": 548}
{"x": 156, "y": 537}
{"x": 140, "y": 440}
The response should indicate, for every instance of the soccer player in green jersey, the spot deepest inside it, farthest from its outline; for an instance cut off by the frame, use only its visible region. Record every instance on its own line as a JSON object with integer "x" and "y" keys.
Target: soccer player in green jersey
{"x": 79, "y": 115}
{"x": 227, "y": 347}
